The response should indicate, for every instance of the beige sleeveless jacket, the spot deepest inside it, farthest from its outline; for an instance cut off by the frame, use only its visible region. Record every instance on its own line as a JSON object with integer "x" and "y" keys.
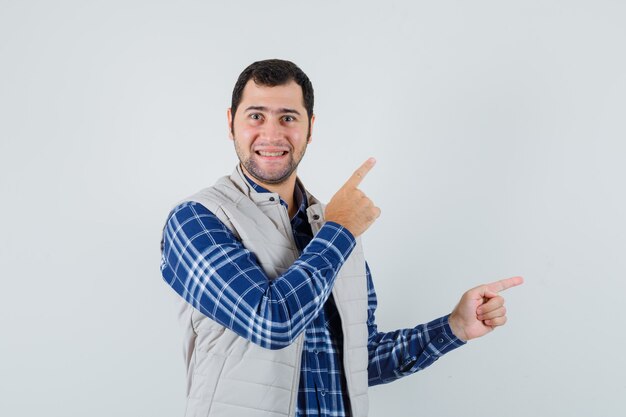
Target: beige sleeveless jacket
{"x": 228, "y": 376}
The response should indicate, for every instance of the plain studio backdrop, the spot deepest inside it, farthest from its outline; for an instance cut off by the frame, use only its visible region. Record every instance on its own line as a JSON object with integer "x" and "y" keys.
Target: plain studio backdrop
{"x": 499, "y": 130}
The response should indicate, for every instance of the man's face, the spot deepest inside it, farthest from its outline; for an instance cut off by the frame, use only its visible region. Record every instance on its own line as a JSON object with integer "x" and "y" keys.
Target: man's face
{"x": 270, "y": 130}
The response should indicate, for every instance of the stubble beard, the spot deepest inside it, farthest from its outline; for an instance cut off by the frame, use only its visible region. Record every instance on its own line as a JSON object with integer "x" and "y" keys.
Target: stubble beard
{"x": 258, "y": 173}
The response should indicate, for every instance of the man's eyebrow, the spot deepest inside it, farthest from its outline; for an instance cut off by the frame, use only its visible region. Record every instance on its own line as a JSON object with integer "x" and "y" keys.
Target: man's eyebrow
{"x": 281, "y": 110}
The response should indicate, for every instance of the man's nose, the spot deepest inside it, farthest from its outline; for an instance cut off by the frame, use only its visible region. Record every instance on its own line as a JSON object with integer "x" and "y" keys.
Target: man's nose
{"x": 272, "y": 129}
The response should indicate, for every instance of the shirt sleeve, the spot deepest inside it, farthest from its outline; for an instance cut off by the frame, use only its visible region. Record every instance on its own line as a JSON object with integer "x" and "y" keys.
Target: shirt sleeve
{"x": 403, "y": 352}
{"x": 206, "y": 265}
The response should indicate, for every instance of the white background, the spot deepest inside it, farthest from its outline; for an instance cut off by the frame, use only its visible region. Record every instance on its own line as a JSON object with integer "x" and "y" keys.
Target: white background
{"x": 499, "y": 128}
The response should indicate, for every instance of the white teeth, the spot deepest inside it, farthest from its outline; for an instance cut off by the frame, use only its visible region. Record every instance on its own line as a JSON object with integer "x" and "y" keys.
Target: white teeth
{"x": 270, "y": 153}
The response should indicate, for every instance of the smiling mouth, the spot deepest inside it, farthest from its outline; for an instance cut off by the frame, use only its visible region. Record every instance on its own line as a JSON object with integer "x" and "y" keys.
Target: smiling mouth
{"x": 279, "y": 153}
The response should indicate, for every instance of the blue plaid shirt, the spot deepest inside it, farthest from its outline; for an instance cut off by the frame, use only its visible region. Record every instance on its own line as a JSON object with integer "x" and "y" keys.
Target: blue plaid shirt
{"x": 192, "y": 231}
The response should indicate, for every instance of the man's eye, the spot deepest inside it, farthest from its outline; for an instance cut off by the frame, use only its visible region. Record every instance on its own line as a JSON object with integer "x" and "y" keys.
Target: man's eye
{"x": 289, "y": 118}
{"x": 255, "y": 116}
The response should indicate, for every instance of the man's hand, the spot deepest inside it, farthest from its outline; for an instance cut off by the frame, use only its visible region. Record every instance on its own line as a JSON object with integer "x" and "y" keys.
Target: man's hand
{"x": 350, "y": 207}
{"x": 481, "y": 309}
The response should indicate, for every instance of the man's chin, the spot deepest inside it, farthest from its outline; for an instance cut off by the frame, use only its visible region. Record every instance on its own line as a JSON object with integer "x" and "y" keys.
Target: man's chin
{"x": 270, "y": 178}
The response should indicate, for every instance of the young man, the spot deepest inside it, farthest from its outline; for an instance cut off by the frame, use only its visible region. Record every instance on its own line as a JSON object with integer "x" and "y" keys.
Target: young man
{"x": 278, "y": 299}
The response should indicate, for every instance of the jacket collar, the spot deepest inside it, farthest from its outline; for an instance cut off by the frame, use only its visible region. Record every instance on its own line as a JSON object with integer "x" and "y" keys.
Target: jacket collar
{"x": 315, "y": 211}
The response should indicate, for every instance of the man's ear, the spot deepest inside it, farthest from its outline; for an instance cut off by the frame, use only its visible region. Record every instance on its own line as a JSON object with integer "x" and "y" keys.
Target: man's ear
{"x": 310, "y": 138}
{"x": 229, "y": 117}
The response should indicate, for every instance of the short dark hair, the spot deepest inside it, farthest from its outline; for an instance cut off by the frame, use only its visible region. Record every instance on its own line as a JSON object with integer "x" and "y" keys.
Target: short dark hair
{"x": 273, "y": 72}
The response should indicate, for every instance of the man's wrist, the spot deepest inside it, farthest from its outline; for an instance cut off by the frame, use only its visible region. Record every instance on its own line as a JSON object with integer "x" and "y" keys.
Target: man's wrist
{"x": 456, "y": 328}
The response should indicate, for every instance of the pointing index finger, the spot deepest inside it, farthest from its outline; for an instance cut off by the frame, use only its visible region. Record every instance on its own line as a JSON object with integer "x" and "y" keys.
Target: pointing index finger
{"x": 505, "y": 284}
{"x": 358, "y": 175}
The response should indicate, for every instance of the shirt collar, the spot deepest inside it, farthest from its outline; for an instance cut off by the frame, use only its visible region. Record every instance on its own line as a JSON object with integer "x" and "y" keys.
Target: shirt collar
{"x": 299, "y": 196}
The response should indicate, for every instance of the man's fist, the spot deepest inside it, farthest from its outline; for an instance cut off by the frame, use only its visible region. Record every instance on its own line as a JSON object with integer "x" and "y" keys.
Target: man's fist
{"x": 481, "y": 309}
{"x": 350, "y": 207}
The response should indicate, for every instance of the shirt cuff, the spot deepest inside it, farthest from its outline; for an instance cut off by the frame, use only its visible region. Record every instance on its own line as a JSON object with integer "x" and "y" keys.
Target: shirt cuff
{"x": 338, "y": 236}
{"x": 445, "y": 341}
